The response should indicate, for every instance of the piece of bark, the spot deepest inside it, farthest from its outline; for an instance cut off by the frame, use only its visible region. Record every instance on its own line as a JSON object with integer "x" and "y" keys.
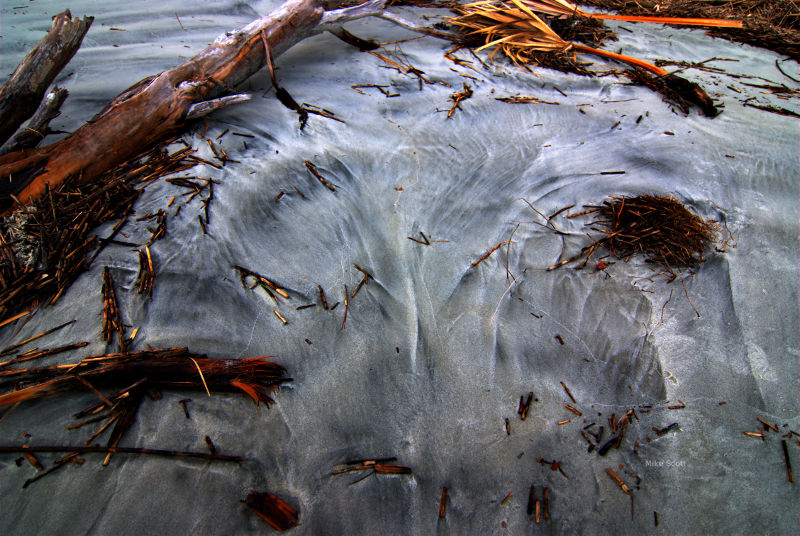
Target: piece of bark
{"x": 39, "y": 126}
{"x": 158, "y": 105}
{"x": 21, "y": 95}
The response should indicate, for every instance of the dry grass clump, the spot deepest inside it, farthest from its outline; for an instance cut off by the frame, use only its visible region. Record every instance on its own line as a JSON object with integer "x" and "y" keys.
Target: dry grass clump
{"x": 659, "y": 228}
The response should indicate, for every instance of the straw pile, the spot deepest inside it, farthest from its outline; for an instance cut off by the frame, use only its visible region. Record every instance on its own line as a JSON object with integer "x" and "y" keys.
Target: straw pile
{"x": 660, "y": 228}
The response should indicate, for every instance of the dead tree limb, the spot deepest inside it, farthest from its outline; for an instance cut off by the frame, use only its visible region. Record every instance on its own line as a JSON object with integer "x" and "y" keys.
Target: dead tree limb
{"x": 39, "y": 125}
{"x": 159, "y": 106}
{"x": 21, "y": 94}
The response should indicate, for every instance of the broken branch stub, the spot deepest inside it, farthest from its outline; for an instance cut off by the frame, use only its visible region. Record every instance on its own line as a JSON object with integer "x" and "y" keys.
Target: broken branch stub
{"x": 21, "y": 94}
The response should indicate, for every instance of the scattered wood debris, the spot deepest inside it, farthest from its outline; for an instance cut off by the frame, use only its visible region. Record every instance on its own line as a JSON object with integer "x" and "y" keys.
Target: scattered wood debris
{"x": 269, "y": 286}
{"x": 524, "y": 405}
{"x": 44, "y": 248}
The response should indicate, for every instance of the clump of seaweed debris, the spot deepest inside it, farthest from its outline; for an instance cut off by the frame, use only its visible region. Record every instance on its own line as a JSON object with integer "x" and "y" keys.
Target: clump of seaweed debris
{"x": 44, "y": 247}
{"x": 660, "y": 228}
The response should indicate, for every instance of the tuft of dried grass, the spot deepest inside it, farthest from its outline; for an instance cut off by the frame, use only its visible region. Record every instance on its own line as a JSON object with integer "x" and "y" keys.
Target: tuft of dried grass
{"x": 659, "y": 228}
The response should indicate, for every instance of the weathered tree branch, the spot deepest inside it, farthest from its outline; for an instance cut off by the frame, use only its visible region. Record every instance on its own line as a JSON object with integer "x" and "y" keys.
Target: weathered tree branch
{"x": 39, "y": 125}
{"x": 157, "y": 106}
{"x": 21, "y": 94}
{"x": 160, "y": 105}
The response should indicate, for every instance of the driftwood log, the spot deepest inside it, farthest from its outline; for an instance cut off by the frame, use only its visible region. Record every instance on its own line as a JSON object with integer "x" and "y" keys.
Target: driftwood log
{"x": 21, "y": 95}
{"x": 159, "y": 106}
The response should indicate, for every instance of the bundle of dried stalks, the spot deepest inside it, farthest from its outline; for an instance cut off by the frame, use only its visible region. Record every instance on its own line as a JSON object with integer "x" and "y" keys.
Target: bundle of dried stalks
{"x": 44, "y": 247}
{"x": 660, "y": 228}
{"x": 167, "y": 368}
{"x": 513, "y": 28}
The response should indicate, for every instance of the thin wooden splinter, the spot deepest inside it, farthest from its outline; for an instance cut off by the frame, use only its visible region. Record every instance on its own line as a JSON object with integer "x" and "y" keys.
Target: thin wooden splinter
{"x": 322, "y": 297}
{"x": 488, "y": 253}
{"x": 566, "y": 390}
{"x": 789, "y": 473}
{"x": 313, "y": 169}
{"x": 443, "y": 504}
{"x": 346, "y": 308}
{"x": 546, "y": 501}
{"x": 201, "y": 376}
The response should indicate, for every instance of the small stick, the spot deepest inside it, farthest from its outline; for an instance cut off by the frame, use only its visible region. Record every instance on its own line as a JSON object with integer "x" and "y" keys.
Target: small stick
{"x": 622, "y": 485}
{"x": 346, "y": 307}
{"x": 524, "y": 407}
{"x": 313, "y": 169}
{"x": 559, "y": 211}
{"x": 789, "y": 473}
{"x": 322, "y": 297}
{"x": 367, "y": 275}
{"x": 179, "y": 22}
{"x": 490, "y": 252}
{"x": 280, "y": 316}
{"x": 358, "y": 287}
{"x": 183, "y": 404}
{"x": 33, "y": 460}
{"x": 443, "y": 504}
{"x": 768, "y": 425}
{"x": 566, "y": 389}
{"x": 506, "y": 498}
{"x": 563, "y": 422}
{"x": 655, "y": 518}
{"x": 11, "y": 348}
{"x": 531, "y": 499}
{"x": 573, "y": 410}
{"x": 210, "y": 445}
{"x": 15, "y": 317}
{"x": 546, "y": 499}
{"x": 661, "y": 431}
{"x": 508, "y": 427}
